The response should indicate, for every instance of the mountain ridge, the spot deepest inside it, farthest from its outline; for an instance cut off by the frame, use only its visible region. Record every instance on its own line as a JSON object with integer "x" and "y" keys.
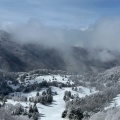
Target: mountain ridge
{"x": 16, "y": 57}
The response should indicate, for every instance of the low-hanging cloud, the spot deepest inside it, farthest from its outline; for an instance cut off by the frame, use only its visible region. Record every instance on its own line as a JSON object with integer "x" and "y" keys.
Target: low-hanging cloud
{"x": 104, "y": 34}
{"x": 37, "y": 33}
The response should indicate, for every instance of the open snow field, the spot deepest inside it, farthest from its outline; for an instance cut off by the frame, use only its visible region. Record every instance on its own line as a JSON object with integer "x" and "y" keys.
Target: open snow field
{"x": 54, "y": 111}
{"x": 48, "y": 78}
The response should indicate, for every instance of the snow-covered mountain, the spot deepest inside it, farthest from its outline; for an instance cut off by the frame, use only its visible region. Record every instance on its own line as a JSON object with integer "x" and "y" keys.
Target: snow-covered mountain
{"x": 16, "y": 57}
{"x": 25, "y": 57}
{"x": 75, "y": 83}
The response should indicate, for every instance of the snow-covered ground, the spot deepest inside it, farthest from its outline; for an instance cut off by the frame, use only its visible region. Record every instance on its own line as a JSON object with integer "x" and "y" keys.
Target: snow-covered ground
{"x": 115, "y": 102}
{"x": 54, "y": 111}
{"x": 57, "y": 78}
{"x": 49, "y": 78}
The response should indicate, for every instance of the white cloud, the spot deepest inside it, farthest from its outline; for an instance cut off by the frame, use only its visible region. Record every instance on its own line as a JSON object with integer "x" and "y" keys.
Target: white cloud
{"x": 105, "y": 56}
{"x": 104, "y": 34}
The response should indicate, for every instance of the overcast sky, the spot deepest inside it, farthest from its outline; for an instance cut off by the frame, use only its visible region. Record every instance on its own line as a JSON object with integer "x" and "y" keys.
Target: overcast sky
{"x": 60, "y": 13}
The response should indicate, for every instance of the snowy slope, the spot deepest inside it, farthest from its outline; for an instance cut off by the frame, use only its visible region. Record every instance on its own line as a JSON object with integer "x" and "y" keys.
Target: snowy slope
{"x": 112, "y": 74}
{"x": 57, "y": 78}
{"x": 48, "y": 78}
{"x": 114, "y": 103}
{"x": 54, "y": 111}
